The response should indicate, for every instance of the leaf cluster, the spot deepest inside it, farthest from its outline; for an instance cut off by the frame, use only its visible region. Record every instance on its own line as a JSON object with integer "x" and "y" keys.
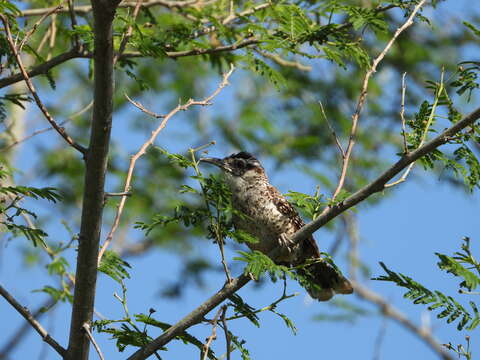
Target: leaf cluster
{"x": 460, "y": 266}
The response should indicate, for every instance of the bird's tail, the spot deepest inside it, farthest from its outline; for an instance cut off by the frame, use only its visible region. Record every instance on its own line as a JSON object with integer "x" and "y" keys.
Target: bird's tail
{"x": 322, "y": 280}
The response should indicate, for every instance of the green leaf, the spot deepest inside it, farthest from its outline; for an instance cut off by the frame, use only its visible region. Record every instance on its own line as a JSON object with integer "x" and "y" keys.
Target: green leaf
{"x": 113, "y": 266}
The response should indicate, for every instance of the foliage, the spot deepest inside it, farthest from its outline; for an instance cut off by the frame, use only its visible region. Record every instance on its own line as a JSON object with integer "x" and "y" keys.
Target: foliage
{"x": 11, "y": 210}
{"x": 458, "y": 265}
{"x": 172, "y": 54}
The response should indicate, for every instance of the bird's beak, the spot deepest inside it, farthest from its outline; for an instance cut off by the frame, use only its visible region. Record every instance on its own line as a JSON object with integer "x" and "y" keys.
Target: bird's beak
{"x": 217, "y": 162}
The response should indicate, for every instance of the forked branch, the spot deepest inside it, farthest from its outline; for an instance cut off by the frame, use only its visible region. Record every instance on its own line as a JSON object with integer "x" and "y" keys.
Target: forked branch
{"x": 148, "y": 143}
{"x": 363, "y": 97}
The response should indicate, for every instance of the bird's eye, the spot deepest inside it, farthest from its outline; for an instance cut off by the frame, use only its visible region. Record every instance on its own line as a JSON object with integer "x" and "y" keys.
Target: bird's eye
{"x": 240, "y": 163}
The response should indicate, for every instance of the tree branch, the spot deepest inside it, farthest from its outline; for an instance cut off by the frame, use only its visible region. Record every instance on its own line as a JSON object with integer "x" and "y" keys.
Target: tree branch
{"x": 363, "y": 97}
{"x": 375, "y": 186}
{"x": 193, "y": 318}
{"x": 34, "y": 323}
{"x": 148, "y": 143}
{"x": 93, "y": 193}
{"x": 45, "y": 67}
{"x": 30, "y": 86}
{"x": 379, "y": 183}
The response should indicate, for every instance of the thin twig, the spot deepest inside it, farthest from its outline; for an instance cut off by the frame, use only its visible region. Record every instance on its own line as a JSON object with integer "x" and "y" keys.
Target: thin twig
{"x": 30, "y": 86}
{"x": 35, "y": 324}
{"x": 128, "y": 33}
{"x": 225, "y": 329}
{"x": 125, "y": 193}
{"x": 363, "y": 97}
{"x": 424, "y": 135}
{"x": 212, "y": 337}
{"x": 73, "y": 23}
{"x": 86, "y": 327}
{"x": 147, "y": 144}
{"x": 142, "y": 108}
{"x": 332, "y": 130}
{"x": 53, "y": 36}
{"x": 402, "y": 114}
{"x": 37, "y": 23}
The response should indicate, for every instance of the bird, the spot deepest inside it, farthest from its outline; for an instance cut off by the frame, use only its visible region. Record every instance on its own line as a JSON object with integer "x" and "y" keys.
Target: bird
{"x": 264, "y": 213}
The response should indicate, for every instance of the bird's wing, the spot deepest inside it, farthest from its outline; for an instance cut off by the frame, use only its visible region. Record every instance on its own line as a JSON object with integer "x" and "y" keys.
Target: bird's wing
{"x": 288, "y": 210}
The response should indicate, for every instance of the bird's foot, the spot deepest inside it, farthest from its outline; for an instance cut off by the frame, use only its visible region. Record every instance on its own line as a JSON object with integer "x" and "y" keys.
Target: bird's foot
{"x": 286, "y": 243}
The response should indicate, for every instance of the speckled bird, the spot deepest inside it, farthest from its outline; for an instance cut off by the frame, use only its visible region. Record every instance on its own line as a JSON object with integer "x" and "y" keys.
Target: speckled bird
{"x": 269, "y": 217}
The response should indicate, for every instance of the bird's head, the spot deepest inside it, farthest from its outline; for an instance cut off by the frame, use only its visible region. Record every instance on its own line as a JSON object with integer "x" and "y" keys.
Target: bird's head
{"x": 239, "y": 168}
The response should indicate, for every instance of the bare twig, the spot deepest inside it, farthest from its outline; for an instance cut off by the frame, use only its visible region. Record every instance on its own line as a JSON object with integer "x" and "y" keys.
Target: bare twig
{"x": 147, "y": 144}
{"x": 212, "y": 337}
{"x": 332, "y": 130}
{"x": 142, "y": 108}
{"x": 86, "y": 327}
{"x": 37, "y": 23}
{"x": 34, "y": 323}
{"x": 363, "y": 97}
{"x": 392, "y": 313}
{"x": 225, "y": 330}
{"x": 111, "y": 194}
{"x": 402, "y": 114}
{"x": 30, "y": 86}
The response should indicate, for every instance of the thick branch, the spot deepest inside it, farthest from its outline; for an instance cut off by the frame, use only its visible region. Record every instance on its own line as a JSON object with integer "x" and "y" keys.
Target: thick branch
{"x": 379, "y": 183}
{"x": 85, "y": 9}
{"x": 35, "y": 324}
{"x": 72, "y": 54}
{"x": 191, "y": 319}
{"x": 44, "y": 67}
{"x": 93, "y": 193}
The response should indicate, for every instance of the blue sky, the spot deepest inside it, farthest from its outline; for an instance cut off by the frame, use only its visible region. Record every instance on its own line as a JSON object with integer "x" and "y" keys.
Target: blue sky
{"x": 419, "y": 218}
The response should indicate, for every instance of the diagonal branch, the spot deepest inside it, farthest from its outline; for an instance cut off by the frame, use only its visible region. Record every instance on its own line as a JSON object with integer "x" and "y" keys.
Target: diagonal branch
{"x": 30, "y": 86}
{"x": 34, "y": 323}
{"x": 148, "y": 143}
{"x": 379, "y": 183}
{"x": 363, "y": 97}
{"x": 375, "y": 186}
